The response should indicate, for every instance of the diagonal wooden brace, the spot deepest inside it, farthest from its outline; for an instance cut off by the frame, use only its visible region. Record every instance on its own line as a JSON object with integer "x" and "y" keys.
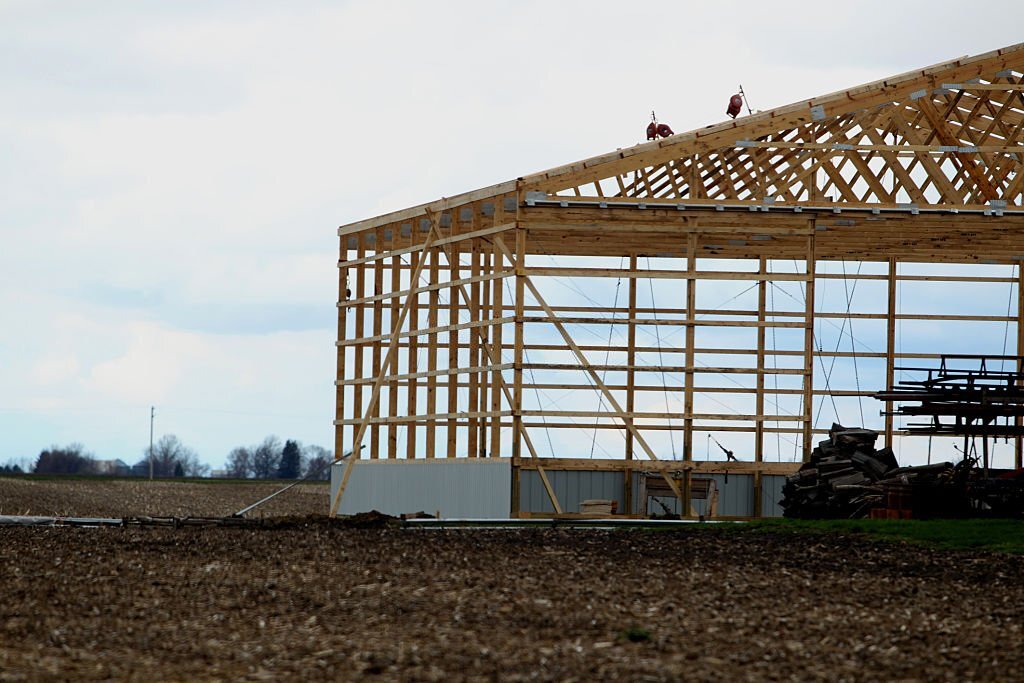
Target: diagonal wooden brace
{"x": 966, "y": 159}
{"x": 619, "y": 412}
{"x": 388, "y": 360}
{"x": 495, "y": 357}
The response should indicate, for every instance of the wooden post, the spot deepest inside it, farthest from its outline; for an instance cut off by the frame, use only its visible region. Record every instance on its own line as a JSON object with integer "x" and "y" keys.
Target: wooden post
{"x": 378, "y": 327}
{"x": 342, "y": 352}
{"x": 517, "y": 376}
{"x": 627, "y": 477}
{"x": 809, "y": 344}
{"x": 473, "y": 402}
{"x": 691, "y": 307}
{"x": 455, "y": 270}
{"x": 396, "y": 286}
{"x": 1017, "y": 442}
{"x": 890, "y": 348}
{"x": 412, "y": 386}
{"x": 498, "y": 311}
{"x": 686, "y": 508}
{"x": 360, "y": 331}
{"x": 762, "y": 297}
{"x": 433, "y": 306}
{"x": 486, "y": 338}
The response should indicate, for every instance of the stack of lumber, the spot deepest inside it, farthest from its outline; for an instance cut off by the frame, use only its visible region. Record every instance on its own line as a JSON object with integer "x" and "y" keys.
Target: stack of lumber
{"x": 841, "y": 478}
{"x": 596, "y": 506}
{"x": 847, "y": 478}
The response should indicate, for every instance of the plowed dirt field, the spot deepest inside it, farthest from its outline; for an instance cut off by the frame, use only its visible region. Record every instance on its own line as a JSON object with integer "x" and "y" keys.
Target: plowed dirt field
{"x": 313, "y": 600}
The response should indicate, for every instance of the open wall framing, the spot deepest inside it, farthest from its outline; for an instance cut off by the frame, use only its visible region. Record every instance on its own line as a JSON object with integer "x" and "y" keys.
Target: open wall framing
{"x": 657, "y": 298}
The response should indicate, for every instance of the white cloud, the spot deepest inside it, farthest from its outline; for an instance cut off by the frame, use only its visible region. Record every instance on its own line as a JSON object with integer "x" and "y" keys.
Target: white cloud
{"x": 54, "y": 369}
{"x": 173, "y": 173}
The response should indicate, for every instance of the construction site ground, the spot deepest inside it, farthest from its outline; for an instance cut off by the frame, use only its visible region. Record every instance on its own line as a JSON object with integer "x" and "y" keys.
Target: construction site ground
{"x": 312, "y": 599}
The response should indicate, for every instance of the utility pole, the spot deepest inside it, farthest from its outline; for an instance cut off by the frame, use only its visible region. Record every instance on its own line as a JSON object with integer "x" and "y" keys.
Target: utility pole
{"x": 152, "y": 413}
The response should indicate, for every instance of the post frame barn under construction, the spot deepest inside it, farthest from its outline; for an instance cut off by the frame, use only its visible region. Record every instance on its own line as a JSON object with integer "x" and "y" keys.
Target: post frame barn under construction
{"x": 483, "y": 359}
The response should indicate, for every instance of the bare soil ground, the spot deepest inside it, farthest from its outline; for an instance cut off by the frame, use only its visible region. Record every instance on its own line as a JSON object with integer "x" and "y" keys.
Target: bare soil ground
{"x": 315, "y": 601}
{"x": 124, "y": 498}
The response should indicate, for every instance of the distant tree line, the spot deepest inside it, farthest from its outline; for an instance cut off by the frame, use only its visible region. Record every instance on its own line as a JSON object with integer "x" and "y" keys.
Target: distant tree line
{"x": 273, "y": 460}
{"x": 70, "y": 459}
{"x": 171, "y": 458}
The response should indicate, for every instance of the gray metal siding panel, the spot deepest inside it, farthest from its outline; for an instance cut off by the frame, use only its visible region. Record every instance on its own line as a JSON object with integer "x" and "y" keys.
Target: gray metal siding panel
{"x": 572, "y": 487}
{"x": 771, "y": 494}
{"x": 463, "y": 488}
{"x": 735, "y": 497}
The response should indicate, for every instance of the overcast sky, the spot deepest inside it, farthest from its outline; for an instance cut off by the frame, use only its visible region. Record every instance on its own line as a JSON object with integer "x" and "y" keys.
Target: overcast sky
{"x": 172, "y": 174}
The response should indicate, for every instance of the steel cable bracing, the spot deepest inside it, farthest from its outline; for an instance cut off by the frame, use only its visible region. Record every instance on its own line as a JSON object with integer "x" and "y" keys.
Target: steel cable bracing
{"x": 651, "y": 334}
{"x": 443, "y": 301}
{"x": 657, "y": 332}
{"x": 775, "y": 375}
{"x": 1006, "y": 334}
{"x": 607, "y": 355}
{"x": 853, "y": 346}
{"x": 818, "y": 353}
{"x": 555, "y": 401}
{"x": 781, "y": 410}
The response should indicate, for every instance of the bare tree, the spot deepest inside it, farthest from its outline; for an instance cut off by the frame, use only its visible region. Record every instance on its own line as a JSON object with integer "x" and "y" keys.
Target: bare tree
{"x": 266, "y": 457}
{"x": 239, "y": 464}
{"x": 318, "y": 458}
{"x": 173, "y": 458}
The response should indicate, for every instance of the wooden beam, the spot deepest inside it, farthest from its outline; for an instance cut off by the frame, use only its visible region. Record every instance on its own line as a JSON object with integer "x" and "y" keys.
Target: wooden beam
{"x": 762, "y": 297}
{"x": 378, "y": 328}
{"x": 375, "y": 395}
{"x": 396, "y": 283}
{"x": 1018, "y": 446}
{"x": 890, "y": 347}
{"x": 433, "y": 306}
{"x": 808, "y": 402}
{"x": 692, "y": 244}
{"x": 630, "y": 381}
{"x": 357, "y": 397}
{"x": 518, "y": 432}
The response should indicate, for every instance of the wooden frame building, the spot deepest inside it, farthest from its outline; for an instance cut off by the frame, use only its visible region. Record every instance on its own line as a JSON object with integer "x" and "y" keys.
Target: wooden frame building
{"x": 459, "y": 319}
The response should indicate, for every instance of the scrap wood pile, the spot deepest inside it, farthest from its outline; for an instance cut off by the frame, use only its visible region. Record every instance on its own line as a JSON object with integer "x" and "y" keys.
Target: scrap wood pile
{"x": 847, "y": 478}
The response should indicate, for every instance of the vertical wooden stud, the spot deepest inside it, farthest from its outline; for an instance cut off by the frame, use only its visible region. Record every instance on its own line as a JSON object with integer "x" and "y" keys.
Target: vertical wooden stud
{"x": 433, "y": 304}
{"x": 890, "y": 347}
{"x": 692, "y": 244}
{"x": 517, "y": 387}
{"x": 808, "y": 399}
{"x": 473, "y": 394}
{"x": 412, "y": 386}
{"x": 394, "y": 369}
{"x": 378, "y": 328}
{"x": 630, "y": 384}
{"x": 360, "y": 332}
{"x": 497, "y": 310}
{"x": 455, "y": 270}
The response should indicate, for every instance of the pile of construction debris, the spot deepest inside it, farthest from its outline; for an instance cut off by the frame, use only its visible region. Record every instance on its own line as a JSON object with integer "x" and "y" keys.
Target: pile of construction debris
{"x": 847, "y": 478}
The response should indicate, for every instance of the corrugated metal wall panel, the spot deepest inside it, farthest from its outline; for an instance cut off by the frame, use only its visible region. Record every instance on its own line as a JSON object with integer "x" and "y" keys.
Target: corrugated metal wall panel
{"x": 735, "y": 496}
{"x": 477, "y": 488}
{"x": 572, "y": 487}
{"x": 771, "y": 494}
